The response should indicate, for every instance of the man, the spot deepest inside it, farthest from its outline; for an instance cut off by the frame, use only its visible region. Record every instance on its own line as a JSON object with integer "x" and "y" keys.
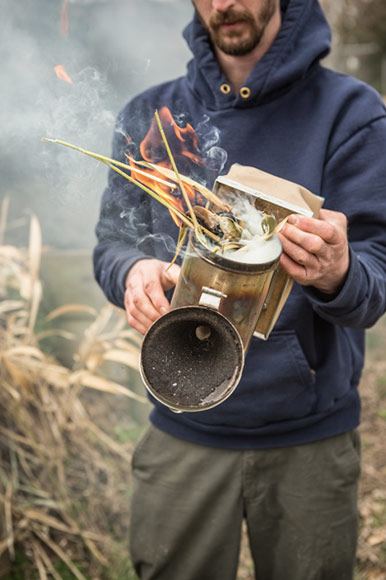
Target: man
{"x": 282, "y": 452}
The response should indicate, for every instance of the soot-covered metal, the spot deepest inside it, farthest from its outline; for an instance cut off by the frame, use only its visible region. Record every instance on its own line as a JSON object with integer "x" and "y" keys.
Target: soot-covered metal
{"x": 191, "y": 358}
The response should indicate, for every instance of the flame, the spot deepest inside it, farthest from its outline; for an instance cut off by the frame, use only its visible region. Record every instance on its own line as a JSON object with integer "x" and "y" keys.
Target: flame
{"x": 62, "y": 74}
{"x": 183, "y": 143}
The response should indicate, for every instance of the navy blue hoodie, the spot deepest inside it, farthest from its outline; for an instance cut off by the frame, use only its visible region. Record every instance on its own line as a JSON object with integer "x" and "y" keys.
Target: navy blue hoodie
{"x": 307, "y": 124}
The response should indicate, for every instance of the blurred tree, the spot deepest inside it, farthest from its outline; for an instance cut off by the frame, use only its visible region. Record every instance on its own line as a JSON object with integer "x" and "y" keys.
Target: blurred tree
{"x": 358, "y": 21}
{"x": 359, "y": 34}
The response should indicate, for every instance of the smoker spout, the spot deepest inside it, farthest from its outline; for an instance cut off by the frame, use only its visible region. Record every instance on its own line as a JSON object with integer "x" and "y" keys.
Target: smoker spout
{"x": 192, "y": 358}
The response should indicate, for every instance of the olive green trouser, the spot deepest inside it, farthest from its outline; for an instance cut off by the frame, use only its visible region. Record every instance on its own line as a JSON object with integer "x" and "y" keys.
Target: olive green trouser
{"x": 300, "y": 505}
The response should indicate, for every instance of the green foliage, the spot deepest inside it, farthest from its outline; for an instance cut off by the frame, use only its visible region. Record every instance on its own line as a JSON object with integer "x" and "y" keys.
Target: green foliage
{"x": 379, "y": 517}
{"x": 65, "y": 573}
{"x": 373, "y": 340}
{"x": 382, "y": 414}
{"x": 122, "y": 570}
{"x": 19, "y": 566}
{"x": 381, "y": 386}
{"x": 130, "y": 434}
{"x": 21, "y": 569}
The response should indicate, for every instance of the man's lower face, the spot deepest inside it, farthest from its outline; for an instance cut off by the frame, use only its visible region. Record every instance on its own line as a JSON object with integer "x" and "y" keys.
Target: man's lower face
{"x": 236, "y": 31}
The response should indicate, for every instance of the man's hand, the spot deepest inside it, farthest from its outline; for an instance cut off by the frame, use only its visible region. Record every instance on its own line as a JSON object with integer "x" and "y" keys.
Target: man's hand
{"x": 145, "y": 300}
{"x": 315, "y": 251}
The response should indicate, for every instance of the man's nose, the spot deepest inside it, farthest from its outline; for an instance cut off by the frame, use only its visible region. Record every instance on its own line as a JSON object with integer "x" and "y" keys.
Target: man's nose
{"x": 222, "y": 5}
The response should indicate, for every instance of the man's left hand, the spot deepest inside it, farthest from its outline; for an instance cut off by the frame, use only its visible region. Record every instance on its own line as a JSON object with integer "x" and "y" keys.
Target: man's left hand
{"x": 315, "y": 251}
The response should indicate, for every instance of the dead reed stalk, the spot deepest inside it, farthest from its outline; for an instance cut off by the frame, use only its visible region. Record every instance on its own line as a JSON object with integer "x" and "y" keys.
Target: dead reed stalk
{"x": 63, "y": 479}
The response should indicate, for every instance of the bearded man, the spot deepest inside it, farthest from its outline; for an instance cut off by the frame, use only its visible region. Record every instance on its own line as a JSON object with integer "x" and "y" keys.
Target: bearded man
{"x": 282, "y": 453}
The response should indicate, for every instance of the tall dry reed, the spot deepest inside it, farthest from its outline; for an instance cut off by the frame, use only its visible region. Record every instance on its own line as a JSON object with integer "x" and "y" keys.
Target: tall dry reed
{"x": 63, "y": 479}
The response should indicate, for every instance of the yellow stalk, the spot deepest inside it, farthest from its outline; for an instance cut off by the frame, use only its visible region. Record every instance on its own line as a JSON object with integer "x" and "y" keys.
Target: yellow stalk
{"x": 3, "y": 218}
{"x": 114, "y": 165}
{"x": 184, "y": 218}
{"x": 180, "y": 183}
{"x": 276, "y": 229}
{"x": 179, "y": 213}
{"x": 169, "y": 174}
{"x": 181, "y": 238}
{"x": 104, "y": 159}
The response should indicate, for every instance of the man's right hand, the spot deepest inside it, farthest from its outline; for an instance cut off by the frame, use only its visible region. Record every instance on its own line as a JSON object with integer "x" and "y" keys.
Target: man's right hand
{"x": 145, "y": 300}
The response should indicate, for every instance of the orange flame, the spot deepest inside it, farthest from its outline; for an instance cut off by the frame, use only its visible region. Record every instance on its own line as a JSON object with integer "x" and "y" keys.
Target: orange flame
{"x": 62, "y": 74}
{"x": 183, "y": 143}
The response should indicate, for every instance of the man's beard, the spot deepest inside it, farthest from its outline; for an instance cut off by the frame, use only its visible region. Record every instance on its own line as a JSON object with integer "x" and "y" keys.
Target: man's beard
{"x": 236, "y": 42}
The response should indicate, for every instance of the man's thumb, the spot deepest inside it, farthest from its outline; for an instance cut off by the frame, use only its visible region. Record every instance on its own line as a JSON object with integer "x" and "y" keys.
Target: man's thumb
{"x": 172, "y": 273}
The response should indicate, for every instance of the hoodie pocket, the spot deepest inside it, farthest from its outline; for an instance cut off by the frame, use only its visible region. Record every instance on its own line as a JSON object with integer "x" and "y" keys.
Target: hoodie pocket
{"x": 279, "y": 377}
{"x": 277, "y": 385}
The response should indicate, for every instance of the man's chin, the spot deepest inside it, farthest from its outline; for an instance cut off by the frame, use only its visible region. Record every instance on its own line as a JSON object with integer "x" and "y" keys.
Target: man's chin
{"x": 234, "y": 46}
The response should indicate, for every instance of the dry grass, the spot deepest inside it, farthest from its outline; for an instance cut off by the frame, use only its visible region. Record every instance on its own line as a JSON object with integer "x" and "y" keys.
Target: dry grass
{"x": 63, "y": 480}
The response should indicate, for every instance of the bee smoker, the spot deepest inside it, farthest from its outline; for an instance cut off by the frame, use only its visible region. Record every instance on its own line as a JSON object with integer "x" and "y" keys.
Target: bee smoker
{"x": 192, "y": 357}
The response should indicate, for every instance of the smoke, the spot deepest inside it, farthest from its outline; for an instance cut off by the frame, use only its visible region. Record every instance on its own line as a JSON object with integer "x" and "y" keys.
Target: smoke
{"x": 215, "y": 156}
{"x": 113, "y": 50}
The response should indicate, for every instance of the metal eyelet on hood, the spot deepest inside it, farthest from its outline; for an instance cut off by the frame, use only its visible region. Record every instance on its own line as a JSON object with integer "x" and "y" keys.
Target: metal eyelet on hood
{"x": 245, "y": 92}
{"x": 225, "y": 88}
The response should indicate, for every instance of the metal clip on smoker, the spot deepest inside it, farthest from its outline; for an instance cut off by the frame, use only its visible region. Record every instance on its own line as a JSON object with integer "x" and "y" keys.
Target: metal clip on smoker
{"x": 192, "y": 357}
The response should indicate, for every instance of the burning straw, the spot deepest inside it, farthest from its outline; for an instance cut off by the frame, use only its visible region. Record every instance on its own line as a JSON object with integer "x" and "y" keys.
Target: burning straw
{"x": 63, "y": 480}
{"x": 219, "y": 229}
{"x": 117, "y": 166}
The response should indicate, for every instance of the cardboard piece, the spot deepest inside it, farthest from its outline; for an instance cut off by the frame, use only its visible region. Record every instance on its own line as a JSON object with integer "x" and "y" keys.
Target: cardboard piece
{"x": 279, "y": 197}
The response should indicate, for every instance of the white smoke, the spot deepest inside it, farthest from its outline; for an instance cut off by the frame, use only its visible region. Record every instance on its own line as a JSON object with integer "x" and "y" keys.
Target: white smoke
{"x": 113, "y": 50}
{"x": 209, "y": 135}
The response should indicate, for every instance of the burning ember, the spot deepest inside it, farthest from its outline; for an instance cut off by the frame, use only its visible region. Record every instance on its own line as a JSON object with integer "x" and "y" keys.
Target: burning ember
{"x": 62, "y": 74}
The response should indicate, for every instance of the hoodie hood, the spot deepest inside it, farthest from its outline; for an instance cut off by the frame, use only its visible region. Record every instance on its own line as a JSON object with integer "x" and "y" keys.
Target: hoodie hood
{"x": 304, "y": 38}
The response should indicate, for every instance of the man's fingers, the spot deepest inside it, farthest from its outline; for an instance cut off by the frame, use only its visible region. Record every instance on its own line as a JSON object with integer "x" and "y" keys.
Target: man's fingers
{"x": 330, "y": 227}
{"x": 306, "y": 241}
{"x": 335, "y": 218}
{"x": 139, "y": 306}
{"x": 315, "y": 251}
{"x": 302, "y": 255}
{"x": 154, "y": 291}
{"x": 138, "y": 303}
{"x": 172, "y": 274}
{"x": 145, "y": 300}
{"x": 134, "y": 323}
{"x": 295, "y": 270}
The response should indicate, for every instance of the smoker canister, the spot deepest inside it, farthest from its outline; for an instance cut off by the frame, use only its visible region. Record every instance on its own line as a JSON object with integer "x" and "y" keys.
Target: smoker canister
{"x": 192, "y": 357}
{"x": 267, "y": 202}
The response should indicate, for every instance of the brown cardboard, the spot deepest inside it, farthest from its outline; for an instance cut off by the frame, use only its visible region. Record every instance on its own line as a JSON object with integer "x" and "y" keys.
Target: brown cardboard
{"x": 282, "y": 189}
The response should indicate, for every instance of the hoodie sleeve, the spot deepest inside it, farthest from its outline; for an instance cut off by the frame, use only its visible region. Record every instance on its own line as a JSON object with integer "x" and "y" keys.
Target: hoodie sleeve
{"x": 124, "y": 227}
{"x": 355, "y": 184}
